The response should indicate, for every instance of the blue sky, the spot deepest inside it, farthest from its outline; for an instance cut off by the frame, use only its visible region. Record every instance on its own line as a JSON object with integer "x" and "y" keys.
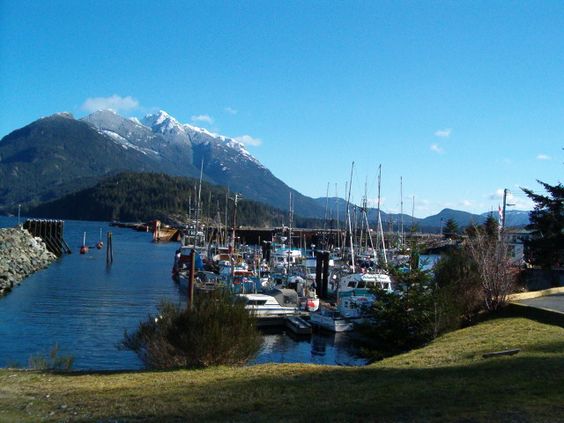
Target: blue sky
{"x": 460, "y": 98}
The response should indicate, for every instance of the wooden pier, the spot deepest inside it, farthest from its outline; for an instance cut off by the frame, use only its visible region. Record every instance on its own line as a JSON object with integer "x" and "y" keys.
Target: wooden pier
{"x": 51, "y": 232}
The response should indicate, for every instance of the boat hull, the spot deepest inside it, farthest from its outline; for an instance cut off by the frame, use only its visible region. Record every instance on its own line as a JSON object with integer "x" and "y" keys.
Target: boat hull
{"x": 331, "y": 322}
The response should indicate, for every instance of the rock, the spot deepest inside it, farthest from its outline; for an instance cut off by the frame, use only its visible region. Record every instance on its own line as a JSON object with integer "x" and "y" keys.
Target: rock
{"x": 20, "y": 255}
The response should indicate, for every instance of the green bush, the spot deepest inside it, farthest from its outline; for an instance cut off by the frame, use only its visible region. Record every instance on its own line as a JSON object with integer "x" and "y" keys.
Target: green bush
{"x": 404, "y": 319}
{"x": 218, "y": 330}
{"x": 459, "y": 288}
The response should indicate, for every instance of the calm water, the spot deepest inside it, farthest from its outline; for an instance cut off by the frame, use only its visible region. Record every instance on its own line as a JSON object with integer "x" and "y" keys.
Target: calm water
{"x": 85, "y": 306}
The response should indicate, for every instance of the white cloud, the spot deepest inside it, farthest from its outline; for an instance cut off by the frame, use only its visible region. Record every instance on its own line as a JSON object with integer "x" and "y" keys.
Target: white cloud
{"x": 231, "y": 110}
{"x": 202, "y": 118}
{"x": 114, "y": 102}
{"x": 466, "y": 203}
{"x": 497, "y": 195}
{"x": 514, "y": 202}
{"x": 443, "y": 133}
{"x": 248, "y": 140}
{"x": 437, "y": 148}
{"x": 543, "y": 157}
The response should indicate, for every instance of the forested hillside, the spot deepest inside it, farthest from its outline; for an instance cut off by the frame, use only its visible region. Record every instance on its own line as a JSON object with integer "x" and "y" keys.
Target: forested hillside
{"x": 140, "y": 197}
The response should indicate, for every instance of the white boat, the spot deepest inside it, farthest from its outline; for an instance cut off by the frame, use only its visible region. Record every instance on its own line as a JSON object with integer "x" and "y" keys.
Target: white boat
{"x": 364, "y": 283}
{"x": 330, "y": 320}
{"x": 278, "y": 302}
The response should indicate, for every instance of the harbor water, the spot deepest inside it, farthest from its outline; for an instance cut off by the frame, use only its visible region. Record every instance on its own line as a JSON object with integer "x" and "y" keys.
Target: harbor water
{"x": 84, "y": 306}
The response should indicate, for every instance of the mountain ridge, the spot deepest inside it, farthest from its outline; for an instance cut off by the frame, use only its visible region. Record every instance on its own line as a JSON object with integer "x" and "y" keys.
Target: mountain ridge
{"x": 58, "y": 154}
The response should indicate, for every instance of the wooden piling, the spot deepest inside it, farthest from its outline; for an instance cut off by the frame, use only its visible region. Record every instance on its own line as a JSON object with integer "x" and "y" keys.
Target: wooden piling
{"x": 325, "y": 278}
{"x": 318, "y": 271}
{"x": 191, "y": 270}
{"x": 109, "y": 249}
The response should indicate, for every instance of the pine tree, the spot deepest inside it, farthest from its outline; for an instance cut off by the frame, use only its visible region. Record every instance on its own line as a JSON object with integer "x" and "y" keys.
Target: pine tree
{"x": 451, "y": 229}
{"x": 545, "y": 248}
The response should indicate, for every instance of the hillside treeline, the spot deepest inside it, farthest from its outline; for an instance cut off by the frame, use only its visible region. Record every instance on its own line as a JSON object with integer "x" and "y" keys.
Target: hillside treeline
{"x": 140, "y": 197}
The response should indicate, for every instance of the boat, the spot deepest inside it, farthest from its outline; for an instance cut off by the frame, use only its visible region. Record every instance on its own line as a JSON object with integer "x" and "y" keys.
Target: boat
{"x": 298, "y": 325}
{"x": 330, "y": 320}
{"x": 275, "y": 303}
{"x": 207, "y": 281}
{"x": 162, "y": 233}
{"x": 364, "y": 283}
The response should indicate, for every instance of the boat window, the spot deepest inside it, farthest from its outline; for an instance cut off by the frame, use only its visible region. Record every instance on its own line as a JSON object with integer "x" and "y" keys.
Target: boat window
{"x": 351, "y": 284}
{"x": 361, "y": 284}
{"x": 256, "y": 302}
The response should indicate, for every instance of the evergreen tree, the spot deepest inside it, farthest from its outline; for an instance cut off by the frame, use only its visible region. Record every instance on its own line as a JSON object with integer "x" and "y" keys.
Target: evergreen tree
{"x": 450, "y": 229}
{"x": 546, "y": 247}
{"x": 491, "y": 226}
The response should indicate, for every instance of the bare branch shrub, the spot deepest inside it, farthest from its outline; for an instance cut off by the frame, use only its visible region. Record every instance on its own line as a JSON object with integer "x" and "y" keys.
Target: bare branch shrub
{"x": 497, "y": 275}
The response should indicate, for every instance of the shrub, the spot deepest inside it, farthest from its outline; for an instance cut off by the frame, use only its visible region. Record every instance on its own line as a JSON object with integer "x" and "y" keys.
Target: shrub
{"x": 405, "y": 319}
{"x": 459, "y": 288}
{"x": 53, "y": 361}
{"x": 218, "y": 330}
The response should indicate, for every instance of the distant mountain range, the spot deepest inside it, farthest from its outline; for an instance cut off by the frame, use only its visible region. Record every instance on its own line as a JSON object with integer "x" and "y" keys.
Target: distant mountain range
{"x": 58, "y": 155}
{"x": 392, "y": 221}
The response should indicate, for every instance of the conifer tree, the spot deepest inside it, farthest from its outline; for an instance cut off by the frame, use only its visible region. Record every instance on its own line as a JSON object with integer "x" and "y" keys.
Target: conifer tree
{"x": 546, "y": 246}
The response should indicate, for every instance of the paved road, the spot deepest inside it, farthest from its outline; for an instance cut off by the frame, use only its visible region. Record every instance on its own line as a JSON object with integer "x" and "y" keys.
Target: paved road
{"x": 552, "y": 302}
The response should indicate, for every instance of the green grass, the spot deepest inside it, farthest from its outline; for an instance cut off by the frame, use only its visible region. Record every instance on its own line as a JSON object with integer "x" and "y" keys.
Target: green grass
{"x": 447, "y": 380}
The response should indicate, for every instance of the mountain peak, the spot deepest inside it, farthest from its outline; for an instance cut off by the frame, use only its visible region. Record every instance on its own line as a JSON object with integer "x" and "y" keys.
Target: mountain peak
{"x": 66, "y": 115}
{"x": 104, "y": 112}
{"x": 163, "y": 123}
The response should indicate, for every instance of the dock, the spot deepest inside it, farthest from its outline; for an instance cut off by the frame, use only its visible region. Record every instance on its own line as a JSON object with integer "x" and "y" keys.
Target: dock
{"x": 294, "y": 322}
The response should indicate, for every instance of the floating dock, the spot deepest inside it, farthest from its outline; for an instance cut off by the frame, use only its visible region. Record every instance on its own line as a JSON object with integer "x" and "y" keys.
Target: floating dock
{"x": 295, "y": 323}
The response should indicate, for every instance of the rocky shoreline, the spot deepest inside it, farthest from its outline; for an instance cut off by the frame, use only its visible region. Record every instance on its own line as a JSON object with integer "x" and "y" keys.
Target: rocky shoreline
{"x": 21, "y": 254}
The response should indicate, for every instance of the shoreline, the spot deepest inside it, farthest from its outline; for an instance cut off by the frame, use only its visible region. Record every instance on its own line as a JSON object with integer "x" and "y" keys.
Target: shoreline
{"x": 21, "y": 255}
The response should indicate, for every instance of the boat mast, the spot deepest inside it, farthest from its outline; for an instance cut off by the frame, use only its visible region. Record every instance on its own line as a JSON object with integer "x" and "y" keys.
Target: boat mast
{"x": 325, "y": 219}
{"x": 226, "y": 223}
{"x": 380, "y": 232}
{"x": 401, "y": 212}
{"x": 349, "y": 219}
{"x": 338, "y": 226}
{"x": 413, "y": 214}
{"x": 199, "y": 196}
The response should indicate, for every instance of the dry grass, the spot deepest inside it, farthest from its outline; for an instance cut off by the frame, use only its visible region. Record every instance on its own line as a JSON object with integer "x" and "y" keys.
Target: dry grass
{"x": 446, "y": 381}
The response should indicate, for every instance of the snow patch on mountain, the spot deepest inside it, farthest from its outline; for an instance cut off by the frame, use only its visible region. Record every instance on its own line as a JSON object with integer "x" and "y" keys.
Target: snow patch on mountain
{"x": 118, "y": 139}
{"x": 163, "y": 123}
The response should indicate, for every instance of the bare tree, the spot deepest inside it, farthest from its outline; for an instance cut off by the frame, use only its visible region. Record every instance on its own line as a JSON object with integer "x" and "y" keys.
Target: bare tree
{"x": 496, "y": 272}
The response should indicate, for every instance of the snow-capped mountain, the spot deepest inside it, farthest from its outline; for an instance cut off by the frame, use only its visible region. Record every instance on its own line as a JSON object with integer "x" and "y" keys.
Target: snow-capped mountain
{"x": 166, "y": 125}
{"x": 113, "y": 143}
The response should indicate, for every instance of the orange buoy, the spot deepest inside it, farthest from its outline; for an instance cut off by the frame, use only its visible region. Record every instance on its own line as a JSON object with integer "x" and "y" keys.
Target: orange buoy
{"x": 84, "y": 248}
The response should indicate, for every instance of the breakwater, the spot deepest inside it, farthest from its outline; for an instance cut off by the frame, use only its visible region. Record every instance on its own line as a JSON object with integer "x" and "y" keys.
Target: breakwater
{"x": 21, "y": 254}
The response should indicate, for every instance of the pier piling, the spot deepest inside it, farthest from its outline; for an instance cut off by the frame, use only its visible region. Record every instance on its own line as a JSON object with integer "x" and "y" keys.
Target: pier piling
{"x": 51, "y": 232}
{"x": 109, "y": 249}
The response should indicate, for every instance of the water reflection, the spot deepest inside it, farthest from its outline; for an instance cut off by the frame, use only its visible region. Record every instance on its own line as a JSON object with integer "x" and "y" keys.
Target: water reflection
{"x": 321, "y": 348}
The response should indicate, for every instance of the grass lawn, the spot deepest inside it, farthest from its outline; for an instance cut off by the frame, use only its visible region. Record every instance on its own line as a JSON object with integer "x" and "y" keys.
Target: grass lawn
{"x": 447, "y": 380}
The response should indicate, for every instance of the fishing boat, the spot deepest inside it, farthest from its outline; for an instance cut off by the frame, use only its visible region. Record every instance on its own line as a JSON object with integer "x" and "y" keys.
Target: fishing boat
{"x": 163, "y": 233}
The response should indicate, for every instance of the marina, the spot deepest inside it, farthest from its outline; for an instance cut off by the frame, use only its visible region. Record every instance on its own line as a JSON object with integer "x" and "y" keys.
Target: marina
{"x": 84, "y": 305}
